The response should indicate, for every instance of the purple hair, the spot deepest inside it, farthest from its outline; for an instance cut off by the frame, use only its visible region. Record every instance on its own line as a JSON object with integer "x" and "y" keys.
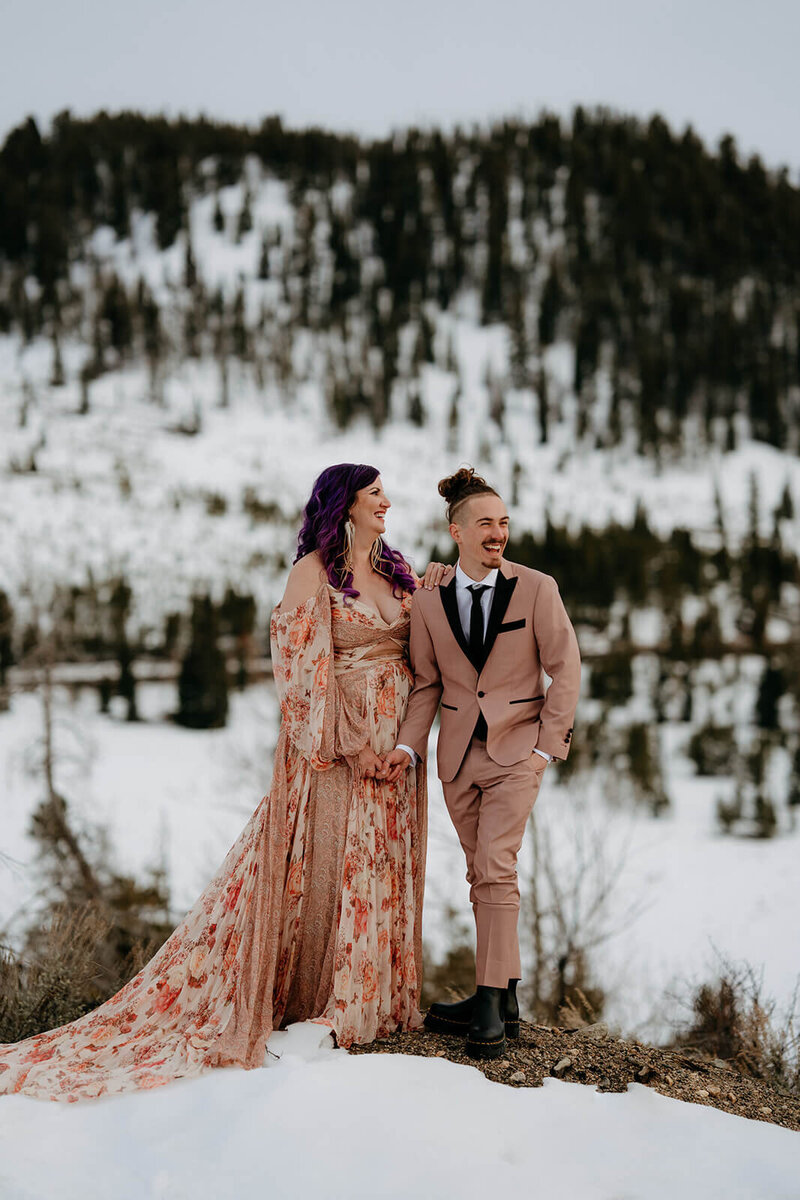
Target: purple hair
{"x": 323, "y": 528}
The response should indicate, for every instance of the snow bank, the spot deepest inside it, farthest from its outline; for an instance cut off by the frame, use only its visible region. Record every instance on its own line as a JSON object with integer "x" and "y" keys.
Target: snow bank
{"x": 322, "y": 1123}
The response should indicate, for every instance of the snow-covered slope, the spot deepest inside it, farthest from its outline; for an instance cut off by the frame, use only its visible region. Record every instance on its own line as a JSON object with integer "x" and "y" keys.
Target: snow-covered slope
{"x": 322, "y": 1124}
{"x": 123, "y": 488}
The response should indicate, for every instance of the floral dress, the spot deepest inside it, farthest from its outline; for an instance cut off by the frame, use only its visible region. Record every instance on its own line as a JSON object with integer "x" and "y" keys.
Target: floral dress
{"x": 316, "y": 912}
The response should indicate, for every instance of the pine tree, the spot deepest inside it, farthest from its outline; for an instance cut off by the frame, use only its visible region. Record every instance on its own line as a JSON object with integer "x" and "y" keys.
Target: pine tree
{"x": 550, "y": 307}
{"x": 239, "y": 334}
{"x": 218, "y": 218}
{"x": 152, "y": 338}
{"x": 203, "y": 680}
{"x": 793, "y": 796}
{"x": 191, "y": 331}
{"x": 766, "y": 416}
{"x": 497, "y": 404}
{"x": 785, "y": 509}
{"x": 57, "y": 376}
{"x": 416, "y": 412}
{"x": 453, "y": 421}
{"x": 120, "y": 606}
{"x": 86, "y": 376}
{"x": 587, "y": 348}
{"x": 6, "y": 646}
{"x": 263, "y": 262}
{"x": 518, "y": 334}
{"x": 120, "y": 211}
{"x": 115, "y": 312}
{"x": 753, "y": 512}
{"x": 346, "y": 283}
{"x": 427, "y": 332}
{"x": 644, "y": 771}
{"x": 245, "y": 221}
{"x": 223, "y": 363}
{"x": 167, "y": 199}
{"x": 237, "y": 619}
{"x": 771, "y": 688}
{"x": 719, "y": 514}
{"x": 189, "y": 265}
{"x": 730, "y": 435}
{"x": 544, "y": 412}
{"x": 615, "y": 414}
{"x": 765, "y": 818}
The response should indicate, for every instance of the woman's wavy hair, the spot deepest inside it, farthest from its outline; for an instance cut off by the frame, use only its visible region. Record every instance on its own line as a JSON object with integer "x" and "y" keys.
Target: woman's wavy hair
{"x": 323, "y": 529}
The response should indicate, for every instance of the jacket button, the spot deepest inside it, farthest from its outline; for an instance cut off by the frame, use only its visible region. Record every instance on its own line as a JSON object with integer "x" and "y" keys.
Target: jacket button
{"x": 481, "y": 695}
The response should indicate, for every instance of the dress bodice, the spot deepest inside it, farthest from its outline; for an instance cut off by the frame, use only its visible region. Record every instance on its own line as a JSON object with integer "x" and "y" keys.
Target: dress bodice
{"x": 362, "y": 638}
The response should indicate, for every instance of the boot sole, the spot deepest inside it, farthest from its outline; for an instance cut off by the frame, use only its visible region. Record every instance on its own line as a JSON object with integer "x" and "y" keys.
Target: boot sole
{"x": 437, "y": 1024}
{"x": 486, "y": 1049}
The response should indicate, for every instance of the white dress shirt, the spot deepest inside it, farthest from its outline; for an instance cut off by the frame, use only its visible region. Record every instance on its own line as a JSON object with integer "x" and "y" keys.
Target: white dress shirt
{"x": 464, "y": 602}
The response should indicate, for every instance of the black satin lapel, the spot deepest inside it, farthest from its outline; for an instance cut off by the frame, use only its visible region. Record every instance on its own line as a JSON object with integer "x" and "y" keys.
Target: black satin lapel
{"x": 450, "y": 606}
{"x": 503, "y": 589}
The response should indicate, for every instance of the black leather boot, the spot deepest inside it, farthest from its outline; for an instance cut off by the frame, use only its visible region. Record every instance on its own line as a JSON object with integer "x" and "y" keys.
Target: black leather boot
{"x": 450, "y": 1018}
{"x": 511, "y": 1009}
{"x": 455, "y": 1018}
{"x": 486, "y": 1037}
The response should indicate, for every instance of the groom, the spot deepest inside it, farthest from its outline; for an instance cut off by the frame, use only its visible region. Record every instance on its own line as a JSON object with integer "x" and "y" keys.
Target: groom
{"x": 480, "y": 646}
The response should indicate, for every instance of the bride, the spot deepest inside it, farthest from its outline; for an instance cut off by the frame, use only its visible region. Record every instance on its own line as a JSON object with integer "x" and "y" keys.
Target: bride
{"x": 316, "y": 912}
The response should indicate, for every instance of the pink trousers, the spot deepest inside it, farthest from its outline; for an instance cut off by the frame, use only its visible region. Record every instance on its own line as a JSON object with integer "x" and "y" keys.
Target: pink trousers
{"x": 489, "y": 806}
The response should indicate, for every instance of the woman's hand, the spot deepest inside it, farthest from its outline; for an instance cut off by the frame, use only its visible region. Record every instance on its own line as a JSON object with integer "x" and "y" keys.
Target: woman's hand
{"x": 434, "y": 574}
{"x": 367, "y": 764}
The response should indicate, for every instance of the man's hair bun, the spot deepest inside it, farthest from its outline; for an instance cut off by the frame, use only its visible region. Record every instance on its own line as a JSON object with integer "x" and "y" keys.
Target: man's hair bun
{"x": 461, "y": 486}
{"x": 453, "y": 485}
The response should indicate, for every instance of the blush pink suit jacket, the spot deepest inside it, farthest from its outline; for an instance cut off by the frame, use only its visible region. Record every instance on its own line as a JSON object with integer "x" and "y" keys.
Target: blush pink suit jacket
{"x": 528, "y": 633}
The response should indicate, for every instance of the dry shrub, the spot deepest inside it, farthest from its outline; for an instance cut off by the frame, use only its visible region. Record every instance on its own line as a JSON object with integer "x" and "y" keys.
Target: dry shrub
{"x": 733, "y": 1021}
{"x": 57, "y": 983}
{"x": 574, "y": 999}
{"x": 76, "y": 961}
{"x": 100, "y": 928}
{"x": 451, "y": 979}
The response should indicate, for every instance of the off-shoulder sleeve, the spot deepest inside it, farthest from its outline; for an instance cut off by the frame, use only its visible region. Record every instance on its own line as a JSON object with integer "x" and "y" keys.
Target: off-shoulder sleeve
{"x": 302, "y": 658}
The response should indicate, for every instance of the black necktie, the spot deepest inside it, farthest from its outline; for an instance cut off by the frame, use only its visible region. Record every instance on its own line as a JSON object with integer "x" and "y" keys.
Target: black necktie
{"x": 476, "y": 623}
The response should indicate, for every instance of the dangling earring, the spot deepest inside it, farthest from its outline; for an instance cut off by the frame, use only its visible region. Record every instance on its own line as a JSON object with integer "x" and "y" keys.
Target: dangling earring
{"x": 375, "y": 554}
{"x": 347, "y": 553}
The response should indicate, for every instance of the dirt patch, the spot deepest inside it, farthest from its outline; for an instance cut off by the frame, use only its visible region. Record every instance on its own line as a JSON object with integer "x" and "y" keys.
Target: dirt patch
{"x": 592, "y": 1056}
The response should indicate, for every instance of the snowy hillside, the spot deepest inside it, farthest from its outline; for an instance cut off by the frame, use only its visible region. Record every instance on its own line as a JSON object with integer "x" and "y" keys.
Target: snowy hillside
{"x": 310, "y": 1126}
{"x": 189, "y": 470}
{"x": 121, "y": 490}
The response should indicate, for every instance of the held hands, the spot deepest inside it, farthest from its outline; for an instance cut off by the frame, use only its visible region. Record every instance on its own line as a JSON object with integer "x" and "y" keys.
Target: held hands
{"x": 396, "y": 762}
{"x": 388, "y": 769}
{"x": 367, "y": 764}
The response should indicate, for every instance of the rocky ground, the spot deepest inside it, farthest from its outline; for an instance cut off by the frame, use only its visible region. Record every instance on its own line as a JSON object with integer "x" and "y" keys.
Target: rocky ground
{"x": 592, "y": 1056}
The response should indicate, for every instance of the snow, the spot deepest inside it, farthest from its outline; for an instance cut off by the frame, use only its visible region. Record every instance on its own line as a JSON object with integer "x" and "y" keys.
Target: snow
{"x": 121, "y": 489}
{"x": 164, "y": 794}
{"x": 322, "y": 1123}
